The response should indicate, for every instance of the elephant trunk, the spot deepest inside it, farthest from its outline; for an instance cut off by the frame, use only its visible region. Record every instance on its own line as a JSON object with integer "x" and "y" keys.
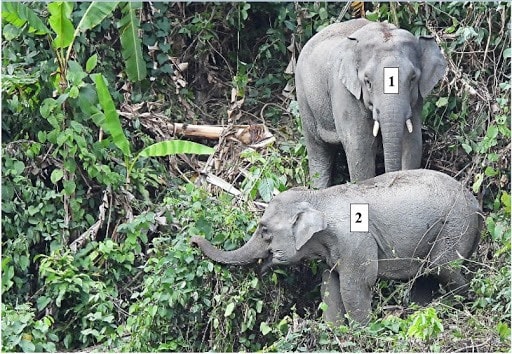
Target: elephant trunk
{"x": 392, "y": 154}
{"x": 393, "y": 127}
{"x": 256, "y": 248}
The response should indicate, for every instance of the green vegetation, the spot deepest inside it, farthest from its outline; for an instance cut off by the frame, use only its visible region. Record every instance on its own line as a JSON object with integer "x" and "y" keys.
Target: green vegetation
{"x": 98, "y": 208}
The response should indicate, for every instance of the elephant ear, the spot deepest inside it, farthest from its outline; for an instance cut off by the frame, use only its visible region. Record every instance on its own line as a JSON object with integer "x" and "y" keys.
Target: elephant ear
{"x": 308, "y": 221}
{"x": 433, "y": 65}
{"x": 347, "y": 71}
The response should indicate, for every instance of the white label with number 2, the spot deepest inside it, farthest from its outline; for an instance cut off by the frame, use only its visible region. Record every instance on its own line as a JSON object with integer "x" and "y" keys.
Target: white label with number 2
{"x": 358, "y": 217}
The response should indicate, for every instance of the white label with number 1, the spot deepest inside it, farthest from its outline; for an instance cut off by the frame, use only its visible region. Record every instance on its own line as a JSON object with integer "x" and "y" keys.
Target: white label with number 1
{"x": 358, "y": 217}
{"x": 390, "y": 80}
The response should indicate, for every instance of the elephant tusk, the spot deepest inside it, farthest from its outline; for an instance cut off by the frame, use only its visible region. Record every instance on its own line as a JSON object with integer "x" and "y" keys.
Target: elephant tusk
{"x": 375, "y": 128}
{"x": 408, "y": 123}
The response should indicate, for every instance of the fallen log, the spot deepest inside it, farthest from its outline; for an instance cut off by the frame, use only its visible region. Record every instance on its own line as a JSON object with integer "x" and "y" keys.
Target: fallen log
{"x": 254, "y": 135}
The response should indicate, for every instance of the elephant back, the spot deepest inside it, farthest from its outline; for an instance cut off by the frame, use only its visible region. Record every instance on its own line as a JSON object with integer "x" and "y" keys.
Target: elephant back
{"x": 335, "y": 31}
{"x": 422, "y": 196}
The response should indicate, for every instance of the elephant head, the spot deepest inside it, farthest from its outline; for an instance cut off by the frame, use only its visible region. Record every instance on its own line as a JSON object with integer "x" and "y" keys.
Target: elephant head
{"x": 420, "y": 66}
{"x": 279, "y": 238}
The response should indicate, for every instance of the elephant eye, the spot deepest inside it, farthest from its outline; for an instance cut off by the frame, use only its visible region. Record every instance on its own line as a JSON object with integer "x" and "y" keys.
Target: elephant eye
{"x": 264, "y": 233}
{"x": 368, "y": 83}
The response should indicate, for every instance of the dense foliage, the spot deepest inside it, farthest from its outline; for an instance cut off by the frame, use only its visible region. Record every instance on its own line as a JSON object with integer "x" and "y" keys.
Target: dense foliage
{"x": 98, "y": 210}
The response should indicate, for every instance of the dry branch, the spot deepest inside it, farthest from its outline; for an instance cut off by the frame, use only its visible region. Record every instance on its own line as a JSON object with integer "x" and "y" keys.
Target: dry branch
{"x": 221, "y": 183}
{"x": 93, "y": 230}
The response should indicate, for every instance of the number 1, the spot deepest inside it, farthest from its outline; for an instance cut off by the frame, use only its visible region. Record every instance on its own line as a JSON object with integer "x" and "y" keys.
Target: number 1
{"x": 390, "y": 76}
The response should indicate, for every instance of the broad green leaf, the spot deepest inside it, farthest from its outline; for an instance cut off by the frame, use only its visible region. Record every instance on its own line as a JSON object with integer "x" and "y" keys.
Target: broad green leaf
{"x": 19, "y": 14}
{"x": 27, "y": 346}
{"x": 229, "y": 309}
{"x": 131, "y": 43}
{"x": 10, "y": 31}
{"x": 18, "y": 167}
{"x": 507, "y": 53}
{"x": 56, "y": 175}
{"x": 7, "y": 276}
{"x": 323, "y": 13}
{"x": 266, "y": 189}
{"x": 372, "y": 15}
{"x": 88, "y": 100}
{"x": 504, "y": 331}
{"x": 442, "y": 101}
{"x": 254, "y": 283}
{"x": 98, "y": 118}
{"x": 323, "y": 306}
{"x": 69, "y": 187}
{"x": 60, "y": 22}
{"x": 479, "y": 178}
{"x": 42, "y": 302}
{"x": 91, "y": 63}
{"x": 492, "y": 132}
{"x": 75, "y": 74}
{"x": 490, "y": 172}
{"x": 111, "y": 124}
{"x": 505, "y": 200}
{"x": 265, "y": 328}
{"x": 41, "y": 136}
{"x": 467, "y": 148}
{"x": 259, "y": 306}
{"x": 73, "y": 92}
{"x": 95, "y": 13}
{"x": 173, "y": 147}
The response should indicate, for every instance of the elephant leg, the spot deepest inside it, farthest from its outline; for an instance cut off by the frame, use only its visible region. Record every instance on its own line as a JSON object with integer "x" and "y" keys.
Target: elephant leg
{"x": 320, "y": 161}
{"x": 412, "y": 146}
{"x": 331, "y": 296}
{"x": 423, "y": 289}
{"x": 452, "y": 279}
{"x": 358, "y": 275}
{"x": 357, "y": 298}
{"x": 360, "y": 148}
{"x": 446, "y": 255}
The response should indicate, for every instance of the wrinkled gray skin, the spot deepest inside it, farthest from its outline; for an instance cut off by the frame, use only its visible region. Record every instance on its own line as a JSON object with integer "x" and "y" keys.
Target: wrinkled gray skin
{"x": 419, "y": 221}
{"x": 340, "y": 77}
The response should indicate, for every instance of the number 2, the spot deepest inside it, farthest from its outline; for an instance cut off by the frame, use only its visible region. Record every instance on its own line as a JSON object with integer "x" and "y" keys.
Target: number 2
{"x": 359, "y": 217}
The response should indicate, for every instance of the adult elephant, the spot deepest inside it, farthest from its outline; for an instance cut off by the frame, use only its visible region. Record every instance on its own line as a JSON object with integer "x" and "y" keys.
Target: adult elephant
{"x": 341, "y": 94}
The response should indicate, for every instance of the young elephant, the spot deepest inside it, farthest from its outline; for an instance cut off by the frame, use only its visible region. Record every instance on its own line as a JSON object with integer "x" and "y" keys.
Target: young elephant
{"x": 358, "y": 78}
{"x": 418, "y": 221}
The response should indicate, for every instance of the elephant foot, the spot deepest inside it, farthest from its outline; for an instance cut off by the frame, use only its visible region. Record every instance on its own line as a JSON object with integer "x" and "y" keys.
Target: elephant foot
{"x": 424, "y": 290}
